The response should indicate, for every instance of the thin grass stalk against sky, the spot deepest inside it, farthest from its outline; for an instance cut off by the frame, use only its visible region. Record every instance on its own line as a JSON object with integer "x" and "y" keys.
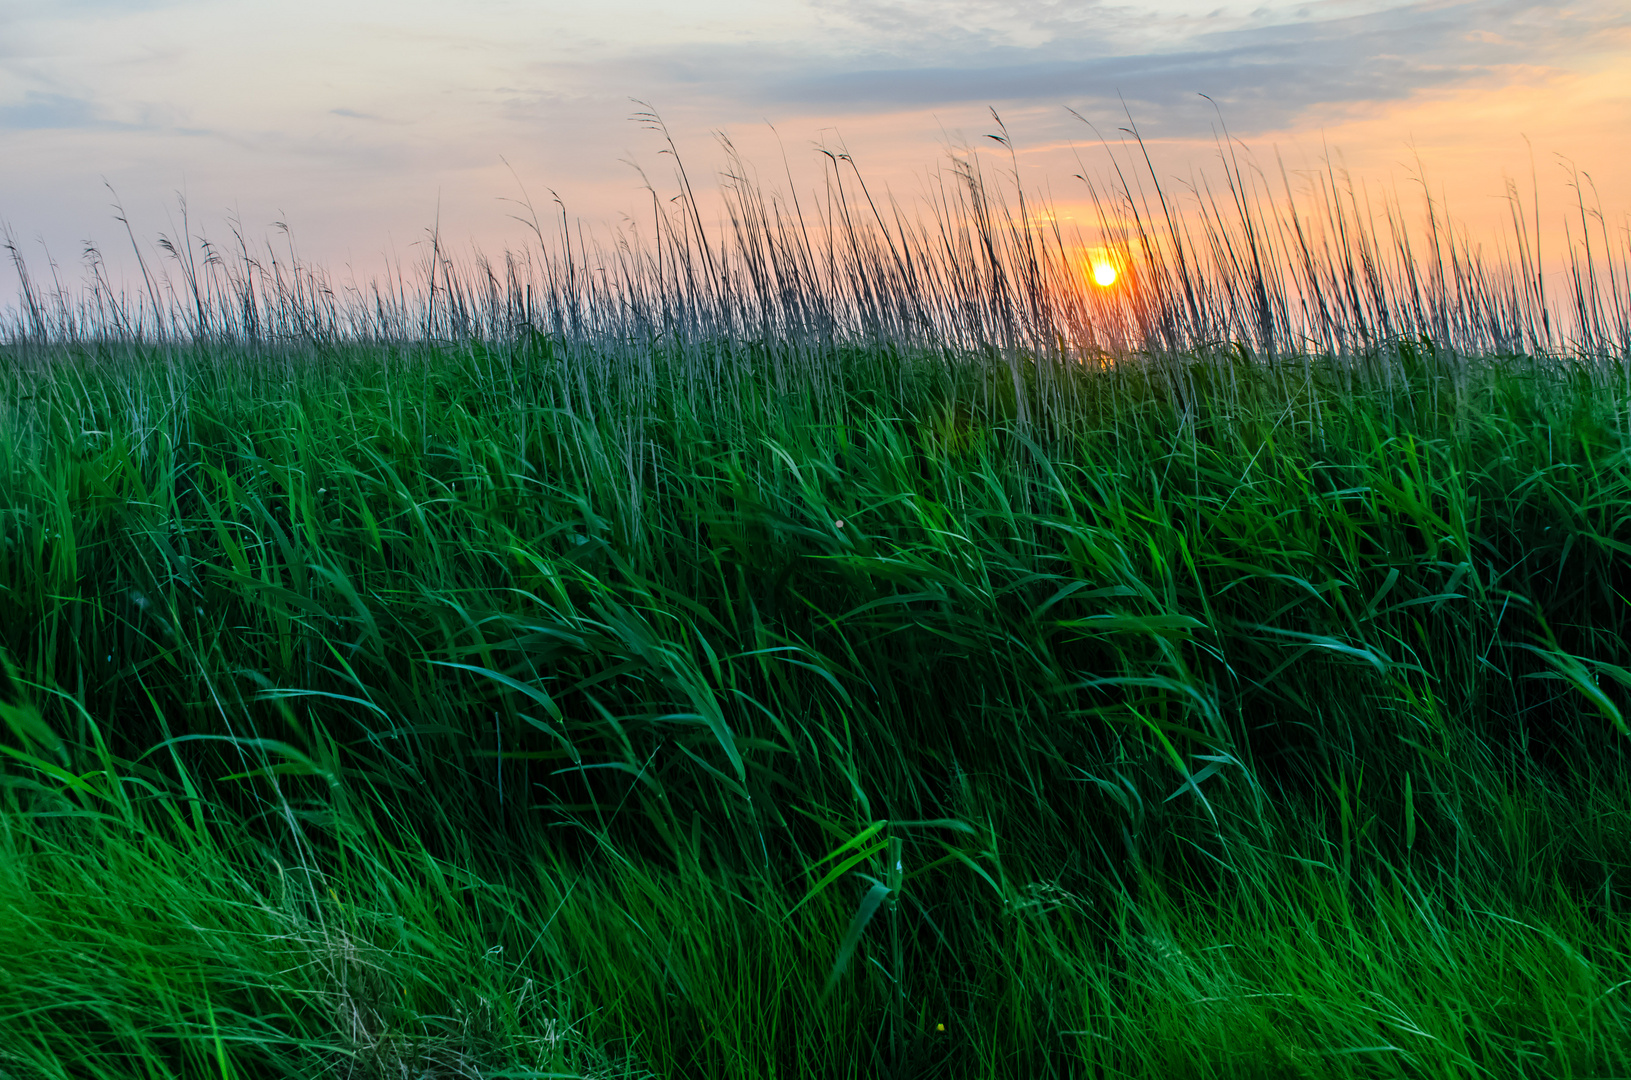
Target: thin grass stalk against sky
{"x": 980, "y": 265}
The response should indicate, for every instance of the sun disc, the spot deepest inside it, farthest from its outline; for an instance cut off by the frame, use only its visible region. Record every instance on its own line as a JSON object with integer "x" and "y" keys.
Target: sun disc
{"x": 1104, "y": 274}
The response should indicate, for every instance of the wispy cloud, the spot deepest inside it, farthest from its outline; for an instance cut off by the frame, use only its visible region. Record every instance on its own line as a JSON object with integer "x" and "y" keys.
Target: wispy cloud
{"x": 116, "y": 7}
{"x": 40, "y": 112}
{"x": 1265, "y": 76}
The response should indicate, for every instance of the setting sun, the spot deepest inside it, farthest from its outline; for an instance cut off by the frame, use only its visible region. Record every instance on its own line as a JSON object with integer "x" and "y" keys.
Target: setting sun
{"x": 1104, "y": 274}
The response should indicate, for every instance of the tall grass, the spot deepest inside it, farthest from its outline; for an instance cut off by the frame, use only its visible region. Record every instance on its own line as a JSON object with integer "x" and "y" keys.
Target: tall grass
{"x": 1241, "y": 258}
{"x": 841, "y": 644}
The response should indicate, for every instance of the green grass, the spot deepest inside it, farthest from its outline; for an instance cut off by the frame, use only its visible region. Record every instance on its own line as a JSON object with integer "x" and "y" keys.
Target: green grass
{"x": 732, "y": 704}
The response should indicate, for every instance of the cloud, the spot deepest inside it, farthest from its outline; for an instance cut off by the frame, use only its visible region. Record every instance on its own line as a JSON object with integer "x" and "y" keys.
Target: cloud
{"x": 39, "y": 112}
{"x": 1271, "y": 79}
{"x": 1265, "y": 74}
{"x": 78, "y": 8}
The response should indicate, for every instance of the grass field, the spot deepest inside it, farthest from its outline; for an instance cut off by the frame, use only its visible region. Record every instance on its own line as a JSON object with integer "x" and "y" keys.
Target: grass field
{"x": 832, "y": 646}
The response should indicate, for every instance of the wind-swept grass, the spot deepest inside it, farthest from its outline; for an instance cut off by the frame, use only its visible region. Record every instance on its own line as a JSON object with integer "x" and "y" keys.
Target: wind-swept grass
{"x": 847, "y": 650}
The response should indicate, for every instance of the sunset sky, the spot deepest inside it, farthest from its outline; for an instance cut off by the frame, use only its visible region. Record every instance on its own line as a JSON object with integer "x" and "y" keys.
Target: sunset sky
{"x": 358, "y": 121}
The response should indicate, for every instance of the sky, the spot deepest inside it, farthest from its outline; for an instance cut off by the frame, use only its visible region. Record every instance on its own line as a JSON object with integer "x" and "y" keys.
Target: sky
{"x": 362, "y": 123}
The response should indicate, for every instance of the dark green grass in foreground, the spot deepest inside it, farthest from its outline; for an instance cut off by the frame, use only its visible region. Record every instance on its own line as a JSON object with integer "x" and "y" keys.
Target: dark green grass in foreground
{"x": 465, "y": 712}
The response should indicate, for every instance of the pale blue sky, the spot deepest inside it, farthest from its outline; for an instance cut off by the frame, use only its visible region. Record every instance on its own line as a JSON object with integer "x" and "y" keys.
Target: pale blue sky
{"x": 353, "y": 119}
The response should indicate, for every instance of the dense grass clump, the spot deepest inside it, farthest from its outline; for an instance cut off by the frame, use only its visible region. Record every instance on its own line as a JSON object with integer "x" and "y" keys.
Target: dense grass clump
{"x": 649, "y": 684}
